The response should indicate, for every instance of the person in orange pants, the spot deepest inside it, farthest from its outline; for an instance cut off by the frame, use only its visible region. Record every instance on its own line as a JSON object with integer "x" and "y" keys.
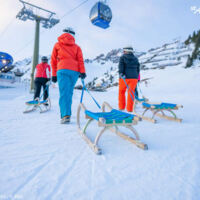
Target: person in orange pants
{"x": 129, "y": 69}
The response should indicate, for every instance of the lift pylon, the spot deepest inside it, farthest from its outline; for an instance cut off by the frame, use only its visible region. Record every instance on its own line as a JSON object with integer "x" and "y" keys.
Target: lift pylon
{"x": 39, "y": 15}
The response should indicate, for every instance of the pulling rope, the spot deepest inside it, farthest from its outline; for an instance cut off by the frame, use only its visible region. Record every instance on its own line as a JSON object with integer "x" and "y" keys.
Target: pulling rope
{"x": 84, "y": 88}
{"x": 140, "y": 89}
{"x": 129, "y": 89}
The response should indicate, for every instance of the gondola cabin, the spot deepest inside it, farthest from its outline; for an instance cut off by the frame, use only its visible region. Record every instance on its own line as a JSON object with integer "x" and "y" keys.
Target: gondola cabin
{"x": 101, "y": 15}
{"x": 6, "y": 62}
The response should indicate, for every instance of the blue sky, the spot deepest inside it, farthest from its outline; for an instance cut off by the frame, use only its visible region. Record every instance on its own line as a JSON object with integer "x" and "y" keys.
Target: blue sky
{"x": 142, "y": 23}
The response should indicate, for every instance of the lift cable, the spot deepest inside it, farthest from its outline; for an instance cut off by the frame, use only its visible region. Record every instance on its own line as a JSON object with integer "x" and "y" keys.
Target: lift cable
{"x": 7, "y": 27}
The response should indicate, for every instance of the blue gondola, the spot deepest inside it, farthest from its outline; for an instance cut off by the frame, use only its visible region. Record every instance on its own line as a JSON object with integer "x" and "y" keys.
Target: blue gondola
{"x": 101, "y": 15}
{"x": 6, "y": 62}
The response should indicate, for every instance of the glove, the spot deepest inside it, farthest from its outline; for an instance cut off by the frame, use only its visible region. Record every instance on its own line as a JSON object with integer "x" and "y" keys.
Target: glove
{"x": 82, "y": 75}
{"x": 122, "y": 76}
{"x": 54, "y": 79}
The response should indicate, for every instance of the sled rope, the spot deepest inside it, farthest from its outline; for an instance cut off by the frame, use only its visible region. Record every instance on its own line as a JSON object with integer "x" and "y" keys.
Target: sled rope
{"x": 84, "y": 88}
{"x": 130, "y": 90}
{"x": 138, "y": 84}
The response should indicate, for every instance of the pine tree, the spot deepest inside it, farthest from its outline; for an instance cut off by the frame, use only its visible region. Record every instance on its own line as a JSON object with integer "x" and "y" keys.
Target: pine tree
{"x": 196, "y": 53}
{"x": 189, "y": 62}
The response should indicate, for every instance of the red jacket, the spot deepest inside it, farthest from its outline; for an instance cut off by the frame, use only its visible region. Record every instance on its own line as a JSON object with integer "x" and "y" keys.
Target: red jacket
{"x": 43, "y": 70}
{"x": 67, "y": 55}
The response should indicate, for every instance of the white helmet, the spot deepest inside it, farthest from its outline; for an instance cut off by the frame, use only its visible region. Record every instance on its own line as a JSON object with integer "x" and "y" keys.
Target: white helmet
{"x": 69, "y": 30}
{"x": 128, "y": 48}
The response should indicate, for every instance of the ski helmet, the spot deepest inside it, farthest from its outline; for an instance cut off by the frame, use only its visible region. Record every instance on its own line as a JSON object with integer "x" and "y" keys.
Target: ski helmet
{"x": 128, "y": 48}
{"x": 69, "y": 30}
{"x": 44, "y": 59}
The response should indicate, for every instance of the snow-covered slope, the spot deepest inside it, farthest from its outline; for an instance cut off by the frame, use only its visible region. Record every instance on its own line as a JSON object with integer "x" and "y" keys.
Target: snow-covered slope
{"x": 102, "y": 71}
{"x": 43, "y": 159}
{"x": 168, "y": 55}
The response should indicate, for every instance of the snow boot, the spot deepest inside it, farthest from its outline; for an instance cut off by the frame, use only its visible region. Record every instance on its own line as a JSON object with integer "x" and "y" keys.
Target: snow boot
{"x": 65, "y": 120}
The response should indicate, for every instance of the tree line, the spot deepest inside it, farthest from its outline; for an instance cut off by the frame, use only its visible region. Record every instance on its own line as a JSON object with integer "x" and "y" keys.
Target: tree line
{"x": 194, "y": 38}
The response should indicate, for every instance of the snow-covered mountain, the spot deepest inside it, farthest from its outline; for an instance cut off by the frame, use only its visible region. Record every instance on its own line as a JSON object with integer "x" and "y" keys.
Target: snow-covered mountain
{"x": 102, "y": 71}
{"x": 171, "y": 54}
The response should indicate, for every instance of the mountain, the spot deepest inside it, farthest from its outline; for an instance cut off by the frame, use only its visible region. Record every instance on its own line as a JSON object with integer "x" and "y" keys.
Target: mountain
{"x": 171, "y": 54}
{"x": 102, "y": 71}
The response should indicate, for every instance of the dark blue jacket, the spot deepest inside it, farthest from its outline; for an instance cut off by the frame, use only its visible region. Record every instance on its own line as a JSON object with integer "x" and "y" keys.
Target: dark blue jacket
{"x": 129, "y": 66}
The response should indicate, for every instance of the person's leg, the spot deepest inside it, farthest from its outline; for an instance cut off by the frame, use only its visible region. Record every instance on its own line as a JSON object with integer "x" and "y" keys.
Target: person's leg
{"x": 37, "y": 89}
{"x": 73, "y": 79}
{"x": 66, "y": 81}
{"x": 121, "y": 96}
{"x": 45, "y": 90}
{"x": 130, "y": 100}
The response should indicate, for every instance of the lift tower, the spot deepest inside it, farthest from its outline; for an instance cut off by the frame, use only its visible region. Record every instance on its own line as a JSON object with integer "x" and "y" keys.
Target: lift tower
{"x": 39, "y": 15}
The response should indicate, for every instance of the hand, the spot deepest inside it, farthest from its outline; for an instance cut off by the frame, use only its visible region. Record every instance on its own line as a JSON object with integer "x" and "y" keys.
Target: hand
{"x": 82, "y": 75}
{"x": 54, "y": 79}
{"x": 122, "y": 76}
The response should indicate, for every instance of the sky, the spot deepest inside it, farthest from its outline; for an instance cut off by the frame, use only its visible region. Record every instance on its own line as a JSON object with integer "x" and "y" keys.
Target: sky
{"x": 144, "y": 24}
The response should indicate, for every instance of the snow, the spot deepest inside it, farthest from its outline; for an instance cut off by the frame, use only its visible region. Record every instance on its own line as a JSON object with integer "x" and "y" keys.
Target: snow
{"x": 43, "y": 159}
{"x": 172, "y": 54}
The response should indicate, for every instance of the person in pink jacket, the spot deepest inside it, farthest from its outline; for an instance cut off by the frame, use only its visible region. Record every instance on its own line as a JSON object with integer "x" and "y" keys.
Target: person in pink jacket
{"x": 42, "y": 76}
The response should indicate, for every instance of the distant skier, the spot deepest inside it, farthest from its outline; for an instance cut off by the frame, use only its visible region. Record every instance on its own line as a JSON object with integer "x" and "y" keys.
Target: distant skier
{"x": 129, "y": 69}
{"x": 42, "y": 76}
{"x": 67, "y": 64}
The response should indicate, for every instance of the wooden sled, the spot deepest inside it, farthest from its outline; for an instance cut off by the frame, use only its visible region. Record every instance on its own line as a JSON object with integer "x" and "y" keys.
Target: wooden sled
{"x": 109, "y": 120}
{"x": 159, "y": 109}
{"x": 43, "y": 106}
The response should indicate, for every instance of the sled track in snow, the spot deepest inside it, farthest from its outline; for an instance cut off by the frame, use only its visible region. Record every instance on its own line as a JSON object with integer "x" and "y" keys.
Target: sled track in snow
{"x": 63, "y": 177}
{"x": 33, "y": 175}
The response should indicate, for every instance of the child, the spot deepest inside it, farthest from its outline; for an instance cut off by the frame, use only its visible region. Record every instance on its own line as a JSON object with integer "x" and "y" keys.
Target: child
{"x": 42, "y": 76}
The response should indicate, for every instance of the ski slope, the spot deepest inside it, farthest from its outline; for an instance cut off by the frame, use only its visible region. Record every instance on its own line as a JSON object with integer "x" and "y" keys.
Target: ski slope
{"x": 41, "y": 159}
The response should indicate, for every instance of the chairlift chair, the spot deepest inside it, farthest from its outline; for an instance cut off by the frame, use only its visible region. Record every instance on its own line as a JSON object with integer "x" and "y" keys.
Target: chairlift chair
{"x": 101, "y": 15}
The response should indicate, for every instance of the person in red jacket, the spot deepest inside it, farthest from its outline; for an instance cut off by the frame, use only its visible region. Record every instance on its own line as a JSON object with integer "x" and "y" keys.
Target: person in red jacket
{"x": 67, "y": 65}
{"x": 42, "y": 76}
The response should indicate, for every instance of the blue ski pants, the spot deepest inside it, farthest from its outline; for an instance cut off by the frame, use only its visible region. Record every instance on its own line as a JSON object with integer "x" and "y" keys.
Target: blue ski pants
{"x": 66, "y": 82}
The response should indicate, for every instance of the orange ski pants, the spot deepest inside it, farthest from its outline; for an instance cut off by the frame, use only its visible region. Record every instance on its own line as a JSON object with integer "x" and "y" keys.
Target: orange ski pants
{"x": 122, "y": 94}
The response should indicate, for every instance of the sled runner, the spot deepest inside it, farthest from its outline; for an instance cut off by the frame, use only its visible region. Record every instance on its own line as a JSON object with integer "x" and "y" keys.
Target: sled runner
{"x": 158, "y": 109}
{"x": 108, "y": 121}
{"x": 43, "y": 106}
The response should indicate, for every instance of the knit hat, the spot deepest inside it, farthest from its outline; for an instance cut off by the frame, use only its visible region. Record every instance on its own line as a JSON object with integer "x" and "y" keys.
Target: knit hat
{"x": 69, "y": 30}
{"x": 128, "y": 49}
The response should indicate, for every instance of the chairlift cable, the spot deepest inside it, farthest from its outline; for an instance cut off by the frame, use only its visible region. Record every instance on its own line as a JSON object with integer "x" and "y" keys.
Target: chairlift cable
{"x": 7, "y": 27}
{"x": 70, "y": 11}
